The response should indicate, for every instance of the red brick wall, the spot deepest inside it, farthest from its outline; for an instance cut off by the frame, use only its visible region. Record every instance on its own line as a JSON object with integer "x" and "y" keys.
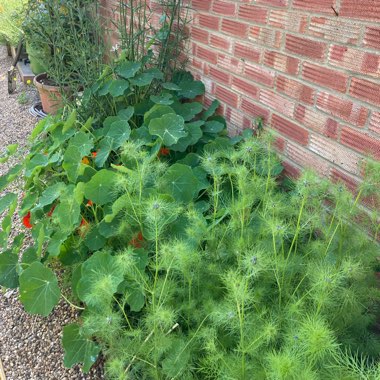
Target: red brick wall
{"x": 310, "y": 68}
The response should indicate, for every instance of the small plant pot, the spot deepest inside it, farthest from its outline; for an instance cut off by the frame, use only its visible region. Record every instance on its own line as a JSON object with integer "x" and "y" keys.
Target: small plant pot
{"x": 50, "y": 95}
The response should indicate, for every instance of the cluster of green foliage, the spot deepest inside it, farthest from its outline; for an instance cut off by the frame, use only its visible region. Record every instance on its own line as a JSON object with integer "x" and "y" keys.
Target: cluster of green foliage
{"x": 66, "y": 38}
{"x": 187, "y": 256}
{"x": 11, "y": 17}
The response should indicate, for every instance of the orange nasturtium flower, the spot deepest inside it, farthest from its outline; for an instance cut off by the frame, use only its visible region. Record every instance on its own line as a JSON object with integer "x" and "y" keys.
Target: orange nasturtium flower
{"x": 94, "y": 154}
{"x": 85, "y": 161}
{"x": 26, "y": 220}
{"x": 164, "y": 152}
{"x": 137, "y": 241}
{"x": 89, "y": 203}
{"x": 83, "y": 228}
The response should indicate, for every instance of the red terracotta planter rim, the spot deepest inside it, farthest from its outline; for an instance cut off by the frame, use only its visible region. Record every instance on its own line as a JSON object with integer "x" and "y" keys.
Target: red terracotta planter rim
{"x": 47, "y": 87}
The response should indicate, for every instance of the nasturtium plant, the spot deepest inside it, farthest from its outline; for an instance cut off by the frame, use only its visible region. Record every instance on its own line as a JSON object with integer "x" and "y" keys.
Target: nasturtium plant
{"x": 187, "y": 254}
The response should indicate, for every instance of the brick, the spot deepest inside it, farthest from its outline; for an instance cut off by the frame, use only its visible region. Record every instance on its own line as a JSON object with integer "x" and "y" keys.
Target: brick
{"x": 360, "y": 142}
{"x": 290, "y": 130}
{"x": 365, "y": 90}
{"x": 197, "y": 64}
{"x": 277, "y": 102}
{"x": 226, "y": 96}
{"x": 325, "y": 77}
{"x": 240, "y": 85}
{"x": 259, "y": 74}
{"x": 220, "y": 42}
{"x": 347, "y": 32}
{"x": 254, "y": 110}
{"x": 224, "y": 8}
{"x": 338, "y": 176}
{"x": 317, "y": 121}
{"x": 305, "y": 47}
{"x": 291, "y": 21}
{"x": 306, "y": 159}
{"x": 235, "y": 28}
{"x": 290, "y": 170}
{"x": 319, "y": 6}
{"x": 200, "y": 5}
{"x": 206, "y": 54}
{"x": 335, "y": 153}
{"x": 282, "y": 62}
{"x": 295, "y": 89}
{"x": 246, "y": 51}
{"x": 366, "y": 9}
{"x": 253, "y": 13}
{"x": 372, "y": 37}
{"x": 274, "y": 3}
{"x": 219, "y": 75}
{"x": 264, "y": 36}
{"x": 374, "y": 125}
{"x": 355, "y": 60}
{"x": 230, "y": 64}
{"x": 209, "y": 22}
{"x": 280, "y": 144}
{"x": 200, "y": 35}
{"x": 342, "y": 108}
{"x": 237, "y": 120}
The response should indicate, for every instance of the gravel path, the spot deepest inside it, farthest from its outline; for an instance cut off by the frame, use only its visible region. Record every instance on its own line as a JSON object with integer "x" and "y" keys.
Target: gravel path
{"x": 30, "y": 346}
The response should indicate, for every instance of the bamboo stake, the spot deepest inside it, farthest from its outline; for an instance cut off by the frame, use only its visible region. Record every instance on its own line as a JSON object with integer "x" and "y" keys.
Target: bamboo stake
{"x": 2, "y": 373}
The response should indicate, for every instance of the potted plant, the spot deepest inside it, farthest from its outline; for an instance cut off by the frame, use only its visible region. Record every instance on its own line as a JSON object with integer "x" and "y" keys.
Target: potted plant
{"x": 65, "y": 48}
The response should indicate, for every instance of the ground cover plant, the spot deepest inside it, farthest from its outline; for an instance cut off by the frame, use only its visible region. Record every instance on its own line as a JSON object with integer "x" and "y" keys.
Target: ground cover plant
{"x": 185, "y": 253}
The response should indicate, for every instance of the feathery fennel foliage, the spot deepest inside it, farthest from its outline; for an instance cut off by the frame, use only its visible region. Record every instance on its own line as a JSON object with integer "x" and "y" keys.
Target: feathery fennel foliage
{"x": 249, "y": 281}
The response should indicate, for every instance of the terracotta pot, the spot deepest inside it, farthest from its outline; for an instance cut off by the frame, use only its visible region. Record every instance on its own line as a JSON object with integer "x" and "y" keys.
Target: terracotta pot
{"x": 51, "y": 98}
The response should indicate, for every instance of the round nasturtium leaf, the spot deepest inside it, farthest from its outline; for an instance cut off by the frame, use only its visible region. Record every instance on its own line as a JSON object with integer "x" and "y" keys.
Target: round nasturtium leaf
{"x": 39, "y": 291}
{"x": 8, "y": 270}
{"x": 181, "y": 183}
{"x": 101, "y": 275}
{"x": 78, "y": 349}
{"x": 99, "y": 188}
{"x": 169, "y": 127}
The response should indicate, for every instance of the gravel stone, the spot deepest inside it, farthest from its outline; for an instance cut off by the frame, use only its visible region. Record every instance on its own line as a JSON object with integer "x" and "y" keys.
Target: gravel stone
{"x": 30, "y": 346}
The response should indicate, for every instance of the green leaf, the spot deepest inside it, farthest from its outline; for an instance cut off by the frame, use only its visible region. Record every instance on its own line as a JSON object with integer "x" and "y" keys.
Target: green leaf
{"x": 28, "y": 203}
{"x": 191, "y": 89}
{"x": 37, "y": 161}
{"x": 99, "y": 188}
{"x": 39, "y": 291}
{"x": 211, "y": 110}
{"x": 6, "y": 201}
{"x": 70, "y": 122}
{"x": 126, "y": 114}
{"x": 29, "y": 256}
{"x": 187, "y": 110}
{"x": 78, "y": 349}
{"x": 103, "y": 152}
{"x": 72, "y": 163}
{"x": 101, "y": 276}
{"x": 128, "y": 69}
{"x": 213, "y": 127}
{"x": 82, "y": 142}
{"x": 180, "y": 182}
{"x": 170, "y": 128}
{"x": 118, "y": 87}
{"x": 163, "y": 99}
{"x": 104, "y": 90}
{"x": 119, "y": 132}
{"x": 157, "y": 111}
{"x": 50, "y": 194}
{"x": 194, "y": 134}
{"x": 135, "y": 298}
{"x": 94, "y": 240}
{"x": 146, "y": 78}
{"x": 12, "y": 174}
{"x": 170, "y": 86}
{"x": 67, "y": 214}
{"x": 8, "y": 270}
